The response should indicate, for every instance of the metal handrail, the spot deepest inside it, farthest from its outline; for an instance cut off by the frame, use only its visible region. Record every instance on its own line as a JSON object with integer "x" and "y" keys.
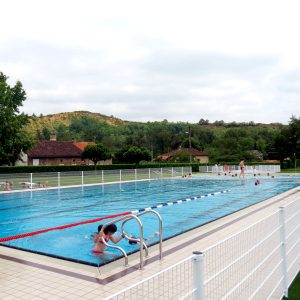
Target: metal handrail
{"x": 160, "y": 227}
{"x": 134, "y": 239}
{"x": 137, "y": 240}
{"x": 116, "y": 247}
{"x": 141, "y": 239}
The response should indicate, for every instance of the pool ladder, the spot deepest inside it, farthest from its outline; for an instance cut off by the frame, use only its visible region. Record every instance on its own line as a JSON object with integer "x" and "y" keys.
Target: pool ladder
{"x": 140, "y": 239}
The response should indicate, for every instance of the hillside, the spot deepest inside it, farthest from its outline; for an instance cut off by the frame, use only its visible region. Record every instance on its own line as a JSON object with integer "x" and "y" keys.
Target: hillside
{"x": 53, "y": 121}
{"x": 222, "y": 141}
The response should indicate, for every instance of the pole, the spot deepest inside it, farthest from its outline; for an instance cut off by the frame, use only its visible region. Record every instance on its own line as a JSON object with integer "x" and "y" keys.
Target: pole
{"x": 283, "y": 251}
{"x": 198, "y": 272}
{"x": 190, "y": 144}
{"x": 58, "y": 179}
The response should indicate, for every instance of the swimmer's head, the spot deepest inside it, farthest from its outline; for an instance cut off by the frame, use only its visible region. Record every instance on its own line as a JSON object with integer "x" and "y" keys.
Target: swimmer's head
{"x": 109, "y": 229}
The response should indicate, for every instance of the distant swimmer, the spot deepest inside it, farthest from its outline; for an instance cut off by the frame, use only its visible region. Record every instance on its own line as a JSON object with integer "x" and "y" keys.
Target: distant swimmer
{"x": 242, "y": 168}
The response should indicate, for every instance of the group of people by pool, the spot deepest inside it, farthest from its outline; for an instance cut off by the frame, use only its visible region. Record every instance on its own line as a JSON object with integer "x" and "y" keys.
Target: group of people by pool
{"x": 225, "y": 170}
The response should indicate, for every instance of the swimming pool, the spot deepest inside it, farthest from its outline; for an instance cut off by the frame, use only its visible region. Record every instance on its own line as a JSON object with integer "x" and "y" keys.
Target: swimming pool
{"x": 34, "y": 210}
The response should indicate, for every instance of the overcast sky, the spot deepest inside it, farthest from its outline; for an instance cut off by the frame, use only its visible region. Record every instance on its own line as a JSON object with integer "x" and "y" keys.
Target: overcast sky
{"x": 153, "y": 60}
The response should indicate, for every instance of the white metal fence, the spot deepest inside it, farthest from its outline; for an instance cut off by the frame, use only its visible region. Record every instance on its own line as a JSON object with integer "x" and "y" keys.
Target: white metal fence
{"x": 259, "y": 262}
{"x": 59, "y": 179}
{"x": 171, "y": 283}
{"x": 256, "y": 169}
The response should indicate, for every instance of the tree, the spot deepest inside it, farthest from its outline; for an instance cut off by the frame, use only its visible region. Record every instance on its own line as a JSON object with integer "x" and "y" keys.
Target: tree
{"x": 13, "y": 138}
{"x": 194, "y": 144}
{"x": 88, "y": 129}
{"x": 62, "y": 133}
{"x": 95, "y": 153}
{"x": 287, "y": 143}
{"x": 203, "y": 122}
{"x": 135, "y": 155}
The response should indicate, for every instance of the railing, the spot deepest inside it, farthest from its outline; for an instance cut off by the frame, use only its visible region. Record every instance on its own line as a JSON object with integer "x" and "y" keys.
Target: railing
{"x": 125, "y": 219}
{"x": 258, "y": 262}
{"x": 172, "y": 283}
{"x": 139, "y": 240}
{"x": 21, "y": 181}
{"x": 256, "y": 169}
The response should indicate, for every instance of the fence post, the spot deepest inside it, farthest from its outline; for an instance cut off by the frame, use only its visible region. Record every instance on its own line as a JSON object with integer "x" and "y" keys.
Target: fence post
{"x": 135, "y": 174}
{"x": 58, "y": 178}
{"x": 149, "y": 174}
{"x": 182, "y": 171}
{"x": 31, "y": 180}
{"x": 102, "y": 177}
{"x": 172, "y": 172}
{"x": 198, "y": 274}
{"x": 81, "y": 177}
{"x": 120, "y": 175}
{"x": 161, "y": 173}
{"x": 283, "y": 250}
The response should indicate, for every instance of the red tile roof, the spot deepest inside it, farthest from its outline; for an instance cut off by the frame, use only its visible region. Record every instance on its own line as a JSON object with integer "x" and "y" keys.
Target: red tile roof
{"x": 57, "y": 149}
{"x": 82, "y": 145}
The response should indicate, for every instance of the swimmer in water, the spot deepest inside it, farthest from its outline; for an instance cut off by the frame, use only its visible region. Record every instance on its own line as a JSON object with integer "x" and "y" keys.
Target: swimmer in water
{"x": 107, "y": 234}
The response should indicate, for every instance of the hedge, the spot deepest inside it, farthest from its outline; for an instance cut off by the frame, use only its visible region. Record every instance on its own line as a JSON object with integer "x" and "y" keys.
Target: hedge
{"x": 66, "y": 168}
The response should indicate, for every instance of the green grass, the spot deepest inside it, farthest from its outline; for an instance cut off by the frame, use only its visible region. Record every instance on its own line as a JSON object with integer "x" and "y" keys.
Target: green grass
{"x": 67, "y": 179}
{"x": 294, "y": 290}
{"x": 292, "y": 170}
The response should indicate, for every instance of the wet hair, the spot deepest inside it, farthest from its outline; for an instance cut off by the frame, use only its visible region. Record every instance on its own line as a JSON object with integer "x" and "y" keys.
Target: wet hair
{"x": 99, "y": 228}
{"x": 112, "y": 228}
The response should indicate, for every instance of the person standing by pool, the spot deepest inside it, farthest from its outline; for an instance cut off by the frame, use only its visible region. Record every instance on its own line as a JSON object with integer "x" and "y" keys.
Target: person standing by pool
{"x": 242, "y": 167}
{"x": 107, "y": 234}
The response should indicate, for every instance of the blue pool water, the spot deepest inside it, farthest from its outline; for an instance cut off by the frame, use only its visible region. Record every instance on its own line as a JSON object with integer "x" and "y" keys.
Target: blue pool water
{"x": 30, "y": 211}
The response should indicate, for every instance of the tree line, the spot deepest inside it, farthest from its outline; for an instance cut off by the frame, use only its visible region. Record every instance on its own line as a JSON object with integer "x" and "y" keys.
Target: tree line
{"x": 223, "y": 142}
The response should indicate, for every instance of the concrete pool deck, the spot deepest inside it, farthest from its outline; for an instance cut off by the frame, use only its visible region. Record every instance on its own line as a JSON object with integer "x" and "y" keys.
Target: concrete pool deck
{"x": 24, "y": 275}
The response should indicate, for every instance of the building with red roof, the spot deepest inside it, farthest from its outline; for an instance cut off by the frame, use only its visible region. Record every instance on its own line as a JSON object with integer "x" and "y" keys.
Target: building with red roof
{"x": 197, "y": 155}
{"x": 59, "y": 153}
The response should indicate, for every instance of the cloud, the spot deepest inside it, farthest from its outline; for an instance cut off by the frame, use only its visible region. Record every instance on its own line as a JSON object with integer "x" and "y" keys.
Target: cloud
{"x": 152, "y": 63}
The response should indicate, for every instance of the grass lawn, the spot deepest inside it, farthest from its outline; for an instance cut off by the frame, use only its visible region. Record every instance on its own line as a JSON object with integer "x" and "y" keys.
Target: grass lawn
{"x": 291, "y": 171}
{"x": 294, "y": 290}
{"x": 74, "y": 178}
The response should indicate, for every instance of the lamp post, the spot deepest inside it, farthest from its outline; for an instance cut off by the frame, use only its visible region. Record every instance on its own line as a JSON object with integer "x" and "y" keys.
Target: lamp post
{"x": 190, "y": 143}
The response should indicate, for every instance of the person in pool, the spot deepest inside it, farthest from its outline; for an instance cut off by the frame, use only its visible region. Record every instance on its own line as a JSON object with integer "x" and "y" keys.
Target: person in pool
{"x": 107, "y": 234}
{"x": 242, "y": 168}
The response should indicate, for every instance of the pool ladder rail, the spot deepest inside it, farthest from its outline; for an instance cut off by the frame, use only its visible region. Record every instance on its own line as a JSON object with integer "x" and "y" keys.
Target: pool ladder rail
{"x": 140, "y": 239}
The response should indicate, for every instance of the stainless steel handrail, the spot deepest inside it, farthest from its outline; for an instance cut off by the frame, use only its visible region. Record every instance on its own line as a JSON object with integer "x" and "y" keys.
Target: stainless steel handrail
{"x": 137, "y": 240}
{"x": 143, "y": 245}
{"x": 134, "y": 239}
{"x": 126, "y": 218}
{"x": 160, "y": 227}
{"x": 116, "y": 247}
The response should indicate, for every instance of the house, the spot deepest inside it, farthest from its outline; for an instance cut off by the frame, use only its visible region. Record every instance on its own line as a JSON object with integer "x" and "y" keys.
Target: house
{"x": 197, "y": 155}
{"x": 59, "y": 153}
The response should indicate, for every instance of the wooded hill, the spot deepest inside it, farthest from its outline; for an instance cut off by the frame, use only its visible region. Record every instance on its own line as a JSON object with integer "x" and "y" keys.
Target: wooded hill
{"x": 222, "y": 141}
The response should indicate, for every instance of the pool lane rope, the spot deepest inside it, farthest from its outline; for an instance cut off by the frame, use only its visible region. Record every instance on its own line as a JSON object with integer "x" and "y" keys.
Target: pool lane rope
{"x": 179, "y": 201}
{"x": 32, "y": 233}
